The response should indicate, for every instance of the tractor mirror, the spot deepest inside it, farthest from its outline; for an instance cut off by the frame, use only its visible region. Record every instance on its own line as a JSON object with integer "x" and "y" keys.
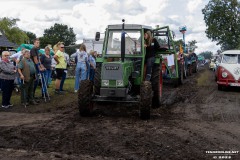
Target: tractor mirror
{"x": 97, "y": 36}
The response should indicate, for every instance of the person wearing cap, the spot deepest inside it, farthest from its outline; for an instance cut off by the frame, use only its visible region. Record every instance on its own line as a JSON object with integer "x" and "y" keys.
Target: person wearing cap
{"x": 27, "y": 72}
{"x": 8, "y": 74}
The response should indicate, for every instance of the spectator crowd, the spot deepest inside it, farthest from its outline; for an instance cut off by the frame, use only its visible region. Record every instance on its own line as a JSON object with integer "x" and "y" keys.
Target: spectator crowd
{"x": 30, "y": 69}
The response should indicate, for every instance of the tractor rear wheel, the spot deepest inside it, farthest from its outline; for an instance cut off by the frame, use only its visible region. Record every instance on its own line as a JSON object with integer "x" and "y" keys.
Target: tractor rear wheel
{"x": 157, "y": 85}
{"x": 194, "y": 65}
{"x": 145, "y": 100}
{"x": 189, "y": 70}
{"x": 180, "y": 73}
{"x": 85, "y": 103}
{"x": 184, "y": 71}
{"x": 97, "y": 79}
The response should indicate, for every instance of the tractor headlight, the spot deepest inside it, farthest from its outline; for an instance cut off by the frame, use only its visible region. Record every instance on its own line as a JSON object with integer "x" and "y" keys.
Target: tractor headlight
{"x": 224, "y": 74}
{"x": 105, "y": 82}
{"x": 119, "y": 83}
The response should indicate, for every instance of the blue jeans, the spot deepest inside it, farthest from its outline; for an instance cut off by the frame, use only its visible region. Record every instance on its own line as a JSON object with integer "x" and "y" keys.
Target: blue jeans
{"x": 47, "y": 74}
{"x": 92, "y": 73}
{"x": 62, "y": 81}
{"x": 7, "y": 88}
{"x": 81, "y": 74}
{"x": 50, "y": 78}
{"x": 150, "y": 63}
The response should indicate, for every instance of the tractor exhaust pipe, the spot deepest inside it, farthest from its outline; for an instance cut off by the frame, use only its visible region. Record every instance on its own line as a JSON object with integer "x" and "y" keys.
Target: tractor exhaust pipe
{"x": 123, "y": 42}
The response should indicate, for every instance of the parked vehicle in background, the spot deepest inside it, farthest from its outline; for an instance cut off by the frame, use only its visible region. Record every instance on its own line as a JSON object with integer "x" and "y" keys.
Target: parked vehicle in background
{"x": 228, "y": 69}
{"x": 212, "y": 64}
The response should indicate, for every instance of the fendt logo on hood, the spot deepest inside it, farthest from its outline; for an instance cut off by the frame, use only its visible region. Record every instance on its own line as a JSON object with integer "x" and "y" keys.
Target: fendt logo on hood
{"x": 237, "y": 71}
{"x": 111, "y": 67}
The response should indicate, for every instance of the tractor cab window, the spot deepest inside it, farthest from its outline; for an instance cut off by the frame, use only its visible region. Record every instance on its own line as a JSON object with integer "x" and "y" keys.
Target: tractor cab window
{"x": 230, "y": 58}
{"x": 132, "y": 42}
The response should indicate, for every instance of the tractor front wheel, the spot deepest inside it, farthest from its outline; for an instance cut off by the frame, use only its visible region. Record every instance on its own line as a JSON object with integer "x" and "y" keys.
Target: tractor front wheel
{"x": 194, "y": 67}
{"x": 145, "y": 100}
{"x": 189, "y": 70}
{"x": 85, "y": 103}
{"x": 180, "y": 73}
{"x": 157, "y": 85}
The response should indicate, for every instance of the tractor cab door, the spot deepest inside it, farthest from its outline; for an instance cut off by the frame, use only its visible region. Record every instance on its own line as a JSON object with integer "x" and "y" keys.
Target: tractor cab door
{"x": 167, "y": 52}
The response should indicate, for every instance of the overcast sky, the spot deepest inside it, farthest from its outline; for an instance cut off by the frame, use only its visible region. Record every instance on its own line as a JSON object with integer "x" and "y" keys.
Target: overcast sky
{"x": 89, "y": 16}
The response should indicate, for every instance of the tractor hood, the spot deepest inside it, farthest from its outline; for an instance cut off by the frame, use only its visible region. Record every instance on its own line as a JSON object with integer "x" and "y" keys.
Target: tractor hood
{"x": 114, "y": 71}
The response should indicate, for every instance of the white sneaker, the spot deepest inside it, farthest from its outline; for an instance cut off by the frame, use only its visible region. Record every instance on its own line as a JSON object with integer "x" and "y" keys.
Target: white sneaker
{"x": 4, "y": 106}
{"x": 75, "y": 91}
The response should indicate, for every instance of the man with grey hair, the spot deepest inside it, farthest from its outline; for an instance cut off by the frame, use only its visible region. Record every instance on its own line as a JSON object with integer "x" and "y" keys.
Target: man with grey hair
{"x": 27, "y": 72}
{"x": 7, "y": 74}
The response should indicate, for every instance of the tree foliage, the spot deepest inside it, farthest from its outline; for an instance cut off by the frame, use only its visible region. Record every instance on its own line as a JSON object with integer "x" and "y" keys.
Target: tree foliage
{"x": 31, "y": 36}
{"x": 12, "y": 32}
{"x": 206, "y": 54}
{"x": 223, "y": 22}
{"x": 177, "y": 44}
{"x": 192, "y": 45}
{"x": 58, "y": 33}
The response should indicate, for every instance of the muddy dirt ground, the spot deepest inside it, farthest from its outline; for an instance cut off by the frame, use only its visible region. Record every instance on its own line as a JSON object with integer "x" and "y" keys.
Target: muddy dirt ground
{"x": 194, "y": 120}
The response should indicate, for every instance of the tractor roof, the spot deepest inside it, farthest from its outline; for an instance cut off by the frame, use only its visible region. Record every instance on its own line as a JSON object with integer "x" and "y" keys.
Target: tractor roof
{"x": 129, "y": 26}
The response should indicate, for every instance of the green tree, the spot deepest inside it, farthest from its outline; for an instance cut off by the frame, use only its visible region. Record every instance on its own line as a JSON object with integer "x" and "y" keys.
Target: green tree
{"x": 177, "y": 44}
{"x": 31, "y": 36}
{"x": 206, "y": 54}
{"x": 192, "y": 45}
{"x": 223, "y": 22}
{"x": 12, "y": 32}
{"x": 58, "y": 33}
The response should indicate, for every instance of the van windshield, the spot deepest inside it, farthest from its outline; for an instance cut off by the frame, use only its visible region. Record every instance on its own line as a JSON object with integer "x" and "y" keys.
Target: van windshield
{"x": 132, "y": 42}
{"x": 231, "y": 58}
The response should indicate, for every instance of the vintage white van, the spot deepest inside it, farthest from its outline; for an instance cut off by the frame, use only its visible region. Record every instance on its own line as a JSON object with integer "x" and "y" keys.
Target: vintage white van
{"x": 228, "y": 69}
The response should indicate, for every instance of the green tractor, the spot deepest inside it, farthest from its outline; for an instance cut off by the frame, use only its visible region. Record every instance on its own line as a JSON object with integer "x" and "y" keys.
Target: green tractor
{"x": 120, "y": 76}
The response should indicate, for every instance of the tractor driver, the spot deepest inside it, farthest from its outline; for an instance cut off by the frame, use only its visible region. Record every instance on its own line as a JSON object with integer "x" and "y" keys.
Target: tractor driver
{"x": 151, "y": 45}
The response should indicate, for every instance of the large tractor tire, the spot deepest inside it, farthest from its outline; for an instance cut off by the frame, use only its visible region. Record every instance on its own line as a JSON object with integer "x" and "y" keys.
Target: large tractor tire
{"x": 194, "y": 69}
{"x": 184, "y": 71}
{"x": 180, "y": 73}
{"x": 189, "y": 70}
{"x": 145, "y": 100}
{"x": 97, "y": 79}
{"x": 85, "y": 103}
{"x": 178, "y": 81}
{"x": 157, "y": 85}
